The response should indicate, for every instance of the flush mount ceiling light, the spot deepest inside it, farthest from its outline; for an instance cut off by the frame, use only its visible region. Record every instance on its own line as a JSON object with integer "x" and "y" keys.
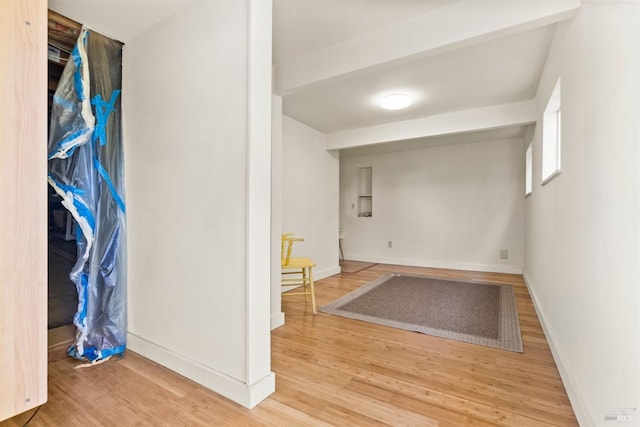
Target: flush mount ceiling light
{"x": 396, "y": 101}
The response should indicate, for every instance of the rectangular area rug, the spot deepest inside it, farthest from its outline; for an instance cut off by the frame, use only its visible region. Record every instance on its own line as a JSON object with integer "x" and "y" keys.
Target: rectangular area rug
{"x": 473, "y": 312}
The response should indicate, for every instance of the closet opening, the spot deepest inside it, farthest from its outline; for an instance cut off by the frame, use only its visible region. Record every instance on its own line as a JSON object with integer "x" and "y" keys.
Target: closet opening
{"x": 87, "y": 259}
{"x": 62, "y": 248}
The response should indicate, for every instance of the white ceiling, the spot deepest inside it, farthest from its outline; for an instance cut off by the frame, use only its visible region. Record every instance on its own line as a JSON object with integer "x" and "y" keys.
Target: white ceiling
{"x": 301, "y": 26}
{"x": 500, "y": 68}
{"x": 496, "y": 72}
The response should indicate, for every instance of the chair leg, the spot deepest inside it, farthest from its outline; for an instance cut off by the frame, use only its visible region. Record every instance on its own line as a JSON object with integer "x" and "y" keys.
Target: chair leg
{"x": 313, "y": 291}
{"x": 304, "y": 285}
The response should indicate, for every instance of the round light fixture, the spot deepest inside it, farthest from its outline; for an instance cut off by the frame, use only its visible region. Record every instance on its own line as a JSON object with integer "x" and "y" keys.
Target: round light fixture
{"x": 396, "y": 101}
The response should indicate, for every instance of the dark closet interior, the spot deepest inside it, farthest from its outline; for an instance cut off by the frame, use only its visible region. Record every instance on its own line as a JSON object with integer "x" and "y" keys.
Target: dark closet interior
{"x": 63, "y": 299}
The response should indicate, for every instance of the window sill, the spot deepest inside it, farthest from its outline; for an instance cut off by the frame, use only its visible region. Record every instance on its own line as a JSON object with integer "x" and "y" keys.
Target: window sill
{"x": 551, "y": 177}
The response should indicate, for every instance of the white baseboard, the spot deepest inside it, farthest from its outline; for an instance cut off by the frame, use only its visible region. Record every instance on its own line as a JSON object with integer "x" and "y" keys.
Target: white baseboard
{"x": 277, "y": 320}
{"x": 573, "y": 392}
{"x": 231, "y": 388}
{"x": 509, "y": 269}
{"x": 327, "y": 272}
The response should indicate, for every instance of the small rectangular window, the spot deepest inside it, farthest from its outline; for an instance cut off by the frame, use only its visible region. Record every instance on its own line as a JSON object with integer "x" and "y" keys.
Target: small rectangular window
{"x": 551, "y": 136}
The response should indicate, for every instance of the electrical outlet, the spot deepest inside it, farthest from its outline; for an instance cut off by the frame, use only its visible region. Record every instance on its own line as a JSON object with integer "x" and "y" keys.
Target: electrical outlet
{"x": 504, "y": 254}
{"x": 389, "y": 244}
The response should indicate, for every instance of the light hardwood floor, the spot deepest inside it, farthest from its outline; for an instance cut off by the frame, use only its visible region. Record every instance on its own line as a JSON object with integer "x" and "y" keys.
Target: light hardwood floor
{"x": 334, "y": 371}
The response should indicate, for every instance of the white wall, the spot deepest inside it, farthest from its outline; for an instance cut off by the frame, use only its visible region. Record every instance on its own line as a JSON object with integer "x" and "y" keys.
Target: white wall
{"x": 449, "y": 206}
{"x": 310, "y": 195}
{"x": 277, "y": 316}
{"x": 192, "y": 114}
{"x": 582, "y": 228}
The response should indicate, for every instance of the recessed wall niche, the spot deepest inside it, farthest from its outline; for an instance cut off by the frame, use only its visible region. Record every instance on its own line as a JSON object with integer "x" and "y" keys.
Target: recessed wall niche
{"x": 365, "y": 196}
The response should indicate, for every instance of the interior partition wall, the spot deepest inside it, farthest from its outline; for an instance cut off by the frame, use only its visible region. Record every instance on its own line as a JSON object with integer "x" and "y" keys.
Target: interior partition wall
{"x": 23, "y": 217}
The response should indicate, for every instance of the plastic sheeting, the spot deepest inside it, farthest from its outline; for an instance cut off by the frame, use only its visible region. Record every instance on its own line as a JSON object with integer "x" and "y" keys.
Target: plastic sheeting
{"x": 86, "y": 170}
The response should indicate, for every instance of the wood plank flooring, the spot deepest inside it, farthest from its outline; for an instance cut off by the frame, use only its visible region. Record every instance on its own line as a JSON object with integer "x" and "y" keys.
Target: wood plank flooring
{"x": 354, "y": 266}
{"x": 334, "y": 371}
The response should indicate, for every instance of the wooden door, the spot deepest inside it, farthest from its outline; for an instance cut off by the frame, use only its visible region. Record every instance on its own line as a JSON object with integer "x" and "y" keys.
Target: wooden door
{"x": 23, "y": 209}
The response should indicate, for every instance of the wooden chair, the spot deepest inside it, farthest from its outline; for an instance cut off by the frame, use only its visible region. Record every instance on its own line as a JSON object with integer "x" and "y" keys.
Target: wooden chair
{"x": 297, "y": 271}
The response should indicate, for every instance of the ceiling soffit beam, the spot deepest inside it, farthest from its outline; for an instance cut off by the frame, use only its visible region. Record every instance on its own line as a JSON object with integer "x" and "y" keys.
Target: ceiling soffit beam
{"x": 453, "y": 26}
{"x": 493, "y": 117}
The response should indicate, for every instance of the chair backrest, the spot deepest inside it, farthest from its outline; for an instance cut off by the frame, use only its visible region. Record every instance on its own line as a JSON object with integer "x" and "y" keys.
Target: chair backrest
{"x": 286, "y": 247}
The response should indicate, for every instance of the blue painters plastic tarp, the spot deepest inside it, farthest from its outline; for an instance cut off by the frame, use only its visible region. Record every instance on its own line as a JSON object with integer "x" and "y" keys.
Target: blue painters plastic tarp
{"x": 86, "y": 169}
